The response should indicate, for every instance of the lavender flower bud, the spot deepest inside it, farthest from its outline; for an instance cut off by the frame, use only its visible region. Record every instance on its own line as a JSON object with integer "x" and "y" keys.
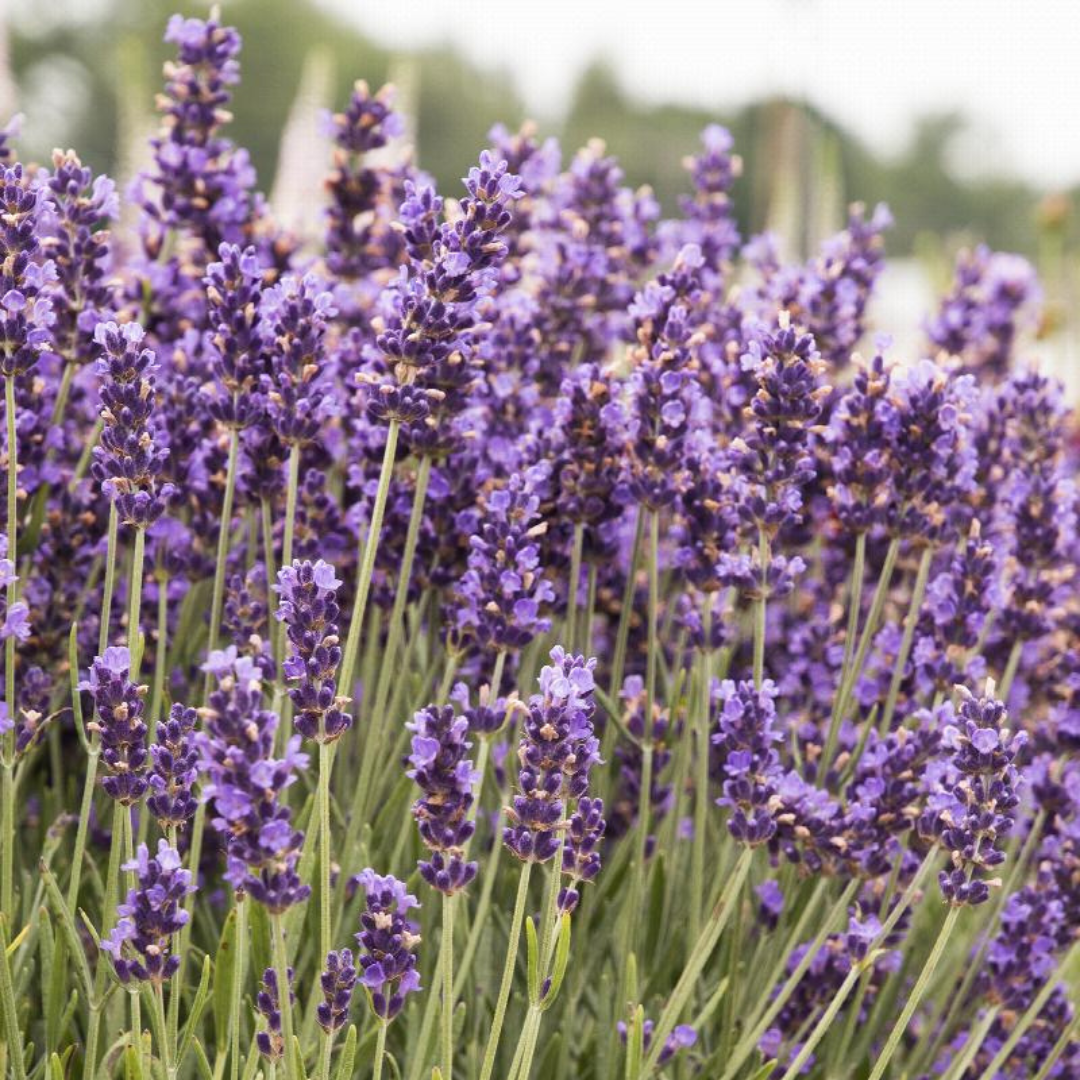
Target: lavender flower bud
{"x": 119, "y": 705}
{"x": 174, "y": 769}
{"x": 387, "y": 939}
{"x": 337, "y": 981}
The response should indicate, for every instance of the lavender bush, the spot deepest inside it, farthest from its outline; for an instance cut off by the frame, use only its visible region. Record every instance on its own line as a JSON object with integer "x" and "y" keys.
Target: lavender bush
{"x": 512, "y": 635}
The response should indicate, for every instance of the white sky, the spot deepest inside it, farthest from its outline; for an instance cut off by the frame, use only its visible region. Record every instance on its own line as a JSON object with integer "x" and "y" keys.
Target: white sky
{"x": 1012, "y": 66}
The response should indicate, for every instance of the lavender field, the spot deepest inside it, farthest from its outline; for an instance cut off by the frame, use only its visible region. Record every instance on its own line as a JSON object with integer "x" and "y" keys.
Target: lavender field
{"x": 516, "y": 632}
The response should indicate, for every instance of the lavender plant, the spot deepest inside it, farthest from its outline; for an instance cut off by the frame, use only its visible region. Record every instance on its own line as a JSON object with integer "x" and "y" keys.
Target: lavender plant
{"x": 556, "y": 559}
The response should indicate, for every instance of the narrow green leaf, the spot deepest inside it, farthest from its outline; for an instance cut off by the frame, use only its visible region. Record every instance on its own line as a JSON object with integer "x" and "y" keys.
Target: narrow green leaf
{"x": 76, "y": 695}
{"x": 12, "y": 1034}
{"x": 203, "y": 1065}
{"x": 56, "y": 1067}
{"x": 562, "y": 956}
{"x": 635, "y": 1044}
{"x": 348, "y": 1055}
{"x": 533, "y": 948}
{"x": 224, "y": 972}
{"x": 197, "y": 1007}
{"x": 259, "y": 926}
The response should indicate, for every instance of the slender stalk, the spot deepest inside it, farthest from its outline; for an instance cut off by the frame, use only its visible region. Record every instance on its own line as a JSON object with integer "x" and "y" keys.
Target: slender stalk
{"x": 701, "y": 779}
{"x": 323, "y": 798}
{"x": 572, "y": 591}
{"x": 236, "y": 1005}
{"x": 760, "y": 609}
{"x": 508, "y": 973}
{"x": 277, "y": 628}
{"x": 908, "y": 1011}
{"x": 7, "y": 758}
{"x": 224, "y": 535}
{"x": 324, "y": 1057}
{"x": 623, "y": 631}
{"x": 281, "y": 969}
{"x": 380, "y": 1051}
{"x": 166, "y": 1050}
{"x": 921, "y": 579}
{"x": 447, "y": 953}
{"x": 1011, "y": 666}
{"x": 161, "y": 651}
{"x": 135, "y": 587}
{"x": 367, "y": 564}
{"x": 292, "y": 494}
{"x": 699, "y": 957}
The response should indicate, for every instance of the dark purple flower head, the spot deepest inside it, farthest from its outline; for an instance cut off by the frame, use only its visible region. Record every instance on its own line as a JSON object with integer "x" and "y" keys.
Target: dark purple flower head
{"x": 387, "y": 939}
{"x": 489, "y": 715}
{"x": 26, "y": 312}
{"x": 131, "y": 457}
{"x": 747, "y": 739}
{"x": 270, "y": 1042}
{"x": 581, "y": 852}
{"x": 310, "y": 613}
{"x": 199, "y": 183}
{"x": 77, "y": 212}
{"x": 994, "y": 297}
{"x": 234, "y": 288}
{"x": 174, "y": 769}
{"x": 974, "y": 806}
{"x": 556, "y": 752}
{"x": 140, "y": 942}
{"x": 446, "y": 776}
{"x": 118, "y": 704}
{"x": 294, "y": 316}
{"x": 498, "y": 599}
{"x": 336, "y": 982}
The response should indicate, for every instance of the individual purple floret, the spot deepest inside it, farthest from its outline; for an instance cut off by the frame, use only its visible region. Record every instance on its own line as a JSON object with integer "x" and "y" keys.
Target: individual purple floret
{"x": 557, "y": 750}
{"x": 234, "y": 289}
{"x": 202, "y": 183}
{"x": 14, "y": 620}
{"x": 26, "y": 312}
{"x": 310, "y": 613}
{"x": 387, "y": 939}
{"x": 270, "y": 1041}
{"x": 446, "y": 776}
{"x": 498, "y": 599}
{"x": 974, "y": 807}
{"x": 118, "y": 705}
{"x": 139, "y": 944}
{"x": 336, "y": 982}
{"x": 131, "y": 458}
{"x": 295, "y": 314}
{"x": 174, "y": 769}
{"x": 747, "y": 739}
{"x": 681, "y": 1038}
{"x": 994, "y": 297}
{"x": 81, "y": 207}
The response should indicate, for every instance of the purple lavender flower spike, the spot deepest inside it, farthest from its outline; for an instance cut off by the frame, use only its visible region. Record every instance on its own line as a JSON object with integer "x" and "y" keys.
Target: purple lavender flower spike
{"x": 581, "y": 852}
{"x": 336, "y": 982}
{"x": 174, "y": 769}
{"x": 974, "y": 806}
{"x": 310, "y": 612}
{"x": 387, "y": 939}
{"x": 270, "y": 1041}
{"x": 557, "y": 750}
{"x": 498, "y": 600}
{"x": 153, "y": 912}
{"x": 747, "y": 740}
{"x": 26, "y": 312}
{"x": 130, "y": 459}
{"x": 119, "y": 705}
{"x": 446, "y": 776}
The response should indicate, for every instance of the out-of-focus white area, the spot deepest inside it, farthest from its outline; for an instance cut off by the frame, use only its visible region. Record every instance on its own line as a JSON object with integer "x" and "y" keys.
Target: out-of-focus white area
{"x": 1010, "y": 67}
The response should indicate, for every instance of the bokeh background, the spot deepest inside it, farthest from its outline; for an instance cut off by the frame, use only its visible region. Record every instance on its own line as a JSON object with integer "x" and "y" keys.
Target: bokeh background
{"x": 960, "y": 116}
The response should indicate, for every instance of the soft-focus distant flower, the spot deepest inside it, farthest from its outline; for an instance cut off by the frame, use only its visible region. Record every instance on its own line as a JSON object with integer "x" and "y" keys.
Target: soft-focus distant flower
{"x": 140, "y": 942}
{"x": 387, "y": 939}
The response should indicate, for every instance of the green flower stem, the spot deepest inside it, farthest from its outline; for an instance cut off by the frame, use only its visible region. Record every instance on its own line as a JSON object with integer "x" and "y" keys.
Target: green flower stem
{"x": 622, "y": 633}
{"x": 701, "y": 779}
{"x": 224, "y": 536}
{"x": 83, "y": 464}
{"x": 239, "y": 974}
{"x": 916, "y": 994}
{"x": 281, "y": 969}
{"x": 135, "y": 587}
{"x": 76, "y": 703}
{"x": 1011, "y": 666}
{"x": 508, "y": 973}
{"x": 917, "y": 594}
{"x": 323, "y": 798}
{"x": 572, "y": 591}
{"x": 826, "y": 1020}
{"x": 760, "y": 609}
{"x": 292, "y": 494}
{"x": 1064, "y": 1039}
{"x": 388, "y": 667}
{"x": 849, "y": 676}
{"x": 7, "y": 756}
{"x": 277, "y": 628}
{"x": 699, "y": 957}
{"x": 380, "y": 1051}
{"x": 167, "y": 1051}
{"x": 161, "y": 651}
{"x": 447, "y": 955}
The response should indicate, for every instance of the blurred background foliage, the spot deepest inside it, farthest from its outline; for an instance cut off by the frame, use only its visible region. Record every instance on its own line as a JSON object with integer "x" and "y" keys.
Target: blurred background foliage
{"x": 86, "y": 71}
